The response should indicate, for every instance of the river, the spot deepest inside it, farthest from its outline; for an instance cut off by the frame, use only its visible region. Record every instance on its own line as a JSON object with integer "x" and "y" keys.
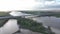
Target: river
{"x": 49, "y": 21}
{"x": 11, "y": 26}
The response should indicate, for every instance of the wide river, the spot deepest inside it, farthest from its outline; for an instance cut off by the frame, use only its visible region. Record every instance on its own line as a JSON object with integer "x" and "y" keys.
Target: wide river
{"x": 12, "y": 26}
{"x": 49, "y": 21}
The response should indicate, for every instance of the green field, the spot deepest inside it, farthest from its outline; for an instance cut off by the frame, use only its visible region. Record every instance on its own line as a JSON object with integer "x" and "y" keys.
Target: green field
{"x": 4, "y": 13}
{"x": 43, "y": 13}
{"x": 2, "y": 22}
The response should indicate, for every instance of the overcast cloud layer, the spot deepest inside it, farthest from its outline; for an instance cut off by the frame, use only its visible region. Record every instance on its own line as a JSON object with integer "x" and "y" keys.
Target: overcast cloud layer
{"x": 48, "y": 4}
{"x": 28, "y": 4}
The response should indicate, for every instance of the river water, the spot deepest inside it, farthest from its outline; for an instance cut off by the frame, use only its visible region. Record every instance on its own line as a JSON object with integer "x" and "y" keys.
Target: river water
{"x": 49, "y": 21}
{"x": 11, "y": 26}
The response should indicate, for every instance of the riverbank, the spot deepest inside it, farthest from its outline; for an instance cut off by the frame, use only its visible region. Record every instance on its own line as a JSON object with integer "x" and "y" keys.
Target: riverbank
{"x": 49, "y": 21}
{"x": 26, "y": 31}
{"x": 57, "y": 31}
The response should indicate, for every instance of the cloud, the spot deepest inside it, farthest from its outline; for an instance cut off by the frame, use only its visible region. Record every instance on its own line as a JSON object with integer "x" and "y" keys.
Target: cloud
{"x": 6, "y": 5}
{"x": 49, "y": 0}
{"x": 43, "y": 0}
{"x": 48, "y": 4}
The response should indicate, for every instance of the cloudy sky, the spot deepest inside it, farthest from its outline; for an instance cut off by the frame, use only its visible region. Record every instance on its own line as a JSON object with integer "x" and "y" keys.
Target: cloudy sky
{"x": 48, "y": 4}
{"x": 6, "y": 5}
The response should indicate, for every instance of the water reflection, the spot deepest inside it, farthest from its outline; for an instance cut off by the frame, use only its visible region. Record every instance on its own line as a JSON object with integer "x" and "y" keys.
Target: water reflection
{"x": 49, "y": 21}
{"x": 10, "y": 27}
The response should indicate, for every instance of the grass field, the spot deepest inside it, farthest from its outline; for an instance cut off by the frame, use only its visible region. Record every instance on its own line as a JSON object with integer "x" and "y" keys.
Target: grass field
{"x": 2, "y": 22}
{"x": 4, "y": 13}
